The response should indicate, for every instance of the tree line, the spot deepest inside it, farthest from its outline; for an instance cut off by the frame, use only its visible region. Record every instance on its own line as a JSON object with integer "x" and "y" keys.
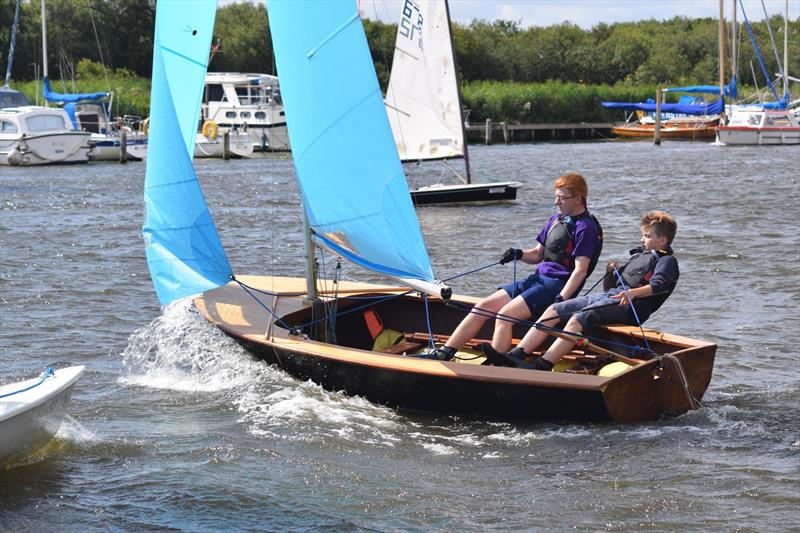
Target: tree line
{"x": 119, "y": 34}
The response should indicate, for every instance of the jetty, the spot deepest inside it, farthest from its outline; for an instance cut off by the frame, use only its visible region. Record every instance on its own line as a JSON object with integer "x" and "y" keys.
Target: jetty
{"x": 491, "y": 131}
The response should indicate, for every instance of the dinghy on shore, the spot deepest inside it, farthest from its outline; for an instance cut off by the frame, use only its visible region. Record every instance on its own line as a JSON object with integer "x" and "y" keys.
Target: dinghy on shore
{"x": 31, "y": 411}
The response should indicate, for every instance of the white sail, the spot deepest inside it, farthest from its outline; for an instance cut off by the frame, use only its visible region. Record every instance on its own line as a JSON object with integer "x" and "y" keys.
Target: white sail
{"x": 422, "y": 98}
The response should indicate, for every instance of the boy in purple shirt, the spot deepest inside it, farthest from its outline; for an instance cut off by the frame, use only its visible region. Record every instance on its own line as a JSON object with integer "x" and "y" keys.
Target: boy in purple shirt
{"x": 566, "y": 252}
{"x": 649, "y": 277}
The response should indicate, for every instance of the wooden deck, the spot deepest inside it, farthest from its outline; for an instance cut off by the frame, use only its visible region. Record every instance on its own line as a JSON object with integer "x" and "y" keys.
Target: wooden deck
{"x": 490, "y": 132}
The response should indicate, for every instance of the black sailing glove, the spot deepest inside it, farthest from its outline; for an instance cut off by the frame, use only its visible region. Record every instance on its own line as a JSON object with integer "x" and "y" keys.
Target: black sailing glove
{"x": 510, "y": 255}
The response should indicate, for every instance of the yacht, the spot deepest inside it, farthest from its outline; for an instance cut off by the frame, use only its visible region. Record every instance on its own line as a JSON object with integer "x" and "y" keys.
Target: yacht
{"x": 106, "y": 135}
{"x": 32, "y": 135}
{"x": 246, "y": 102}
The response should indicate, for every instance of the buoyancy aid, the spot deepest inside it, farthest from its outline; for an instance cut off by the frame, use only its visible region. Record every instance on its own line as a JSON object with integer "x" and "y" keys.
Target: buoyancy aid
{"x": 641, "y": 266}
{"x": 560, "y": 241}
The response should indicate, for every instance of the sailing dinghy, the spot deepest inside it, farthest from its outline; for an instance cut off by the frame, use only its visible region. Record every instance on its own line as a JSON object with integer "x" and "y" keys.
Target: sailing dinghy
{"x": 357, "y": 338}
{"x": 423, "y": 101}
{"x": 31, "y": 411}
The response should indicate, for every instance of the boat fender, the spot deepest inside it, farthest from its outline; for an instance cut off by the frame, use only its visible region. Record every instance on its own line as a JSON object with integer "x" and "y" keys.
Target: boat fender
{"x": 146, "y": 125}
{"x": 14, "y": 157}
{"x": 210, "y": 130}
{"x": 613, "y": 369}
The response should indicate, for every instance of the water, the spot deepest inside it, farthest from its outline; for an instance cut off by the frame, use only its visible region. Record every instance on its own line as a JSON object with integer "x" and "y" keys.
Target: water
{"x": 175, "y": 427}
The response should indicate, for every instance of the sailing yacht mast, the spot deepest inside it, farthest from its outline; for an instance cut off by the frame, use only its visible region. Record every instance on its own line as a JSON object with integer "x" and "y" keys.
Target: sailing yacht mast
{"x": 734, "y": 56}
{"x": 44, "y": 44}
{"x": 786, "y": 48}
{"x": 458, "y": 91}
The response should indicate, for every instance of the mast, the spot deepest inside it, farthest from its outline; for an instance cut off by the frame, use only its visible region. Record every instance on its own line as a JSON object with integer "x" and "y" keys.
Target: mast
{"x": 12, "y": 45}
{"x": 721, "y": 50}
{"x": 458, "y": 92}
{"x": 44, "y": 44}
{"x": 786, "y": 48}
{"x": 311, "y": 270}
{"x": 734, "y": 52}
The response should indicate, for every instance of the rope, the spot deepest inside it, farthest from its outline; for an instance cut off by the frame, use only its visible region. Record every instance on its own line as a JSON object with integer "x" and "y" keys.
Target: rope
{"x": 472, "y": 271}
{"x": 633, "y": 308}
{"x": 247, "y": 289}
{"x": 47, "y": 373}
{"x": 693, "y": 402}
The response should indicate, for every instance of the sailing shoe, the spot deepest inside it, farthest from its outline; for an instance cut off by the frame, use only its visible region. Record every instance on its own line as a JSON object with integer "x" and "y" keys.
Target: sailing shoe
{"x": 493, "y": 357}
{"x": 442, "y": 353}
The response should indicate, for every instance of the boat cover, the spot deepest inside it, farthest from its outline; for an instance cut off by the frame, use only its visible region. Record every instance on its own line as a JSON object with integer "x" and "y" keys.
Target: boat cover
{"x": 714, "y": 108}
{"x": 58, "y": 98}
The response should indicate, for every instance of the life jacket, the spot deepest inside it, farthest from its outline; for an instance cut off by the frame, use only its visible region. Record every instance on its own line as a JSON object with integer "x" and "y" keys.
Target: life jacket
{"x": 560, "y": 242}
{"x": 640, "y": 267}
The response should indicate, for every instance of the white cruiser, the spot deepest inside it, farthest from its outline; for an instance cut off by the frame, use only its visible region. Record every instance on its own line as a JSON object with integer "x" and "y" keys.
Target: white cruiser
{"x": 246, "y": 102}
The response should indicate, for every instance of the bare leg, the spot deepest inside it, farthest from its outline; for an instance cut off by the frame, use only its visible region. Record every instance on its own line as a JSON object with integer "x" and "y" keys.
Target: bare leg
{"x": 503, "y": 328}
{"x": 473, "y": 322}
{"x": 561, "y": 346}
{"x": 535, "y": 337}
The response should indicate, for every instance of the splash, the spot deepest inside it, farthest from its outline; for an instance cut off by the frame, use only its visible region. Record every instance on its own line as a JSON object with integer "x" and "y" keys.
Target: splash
{"x": 181, "y": 351}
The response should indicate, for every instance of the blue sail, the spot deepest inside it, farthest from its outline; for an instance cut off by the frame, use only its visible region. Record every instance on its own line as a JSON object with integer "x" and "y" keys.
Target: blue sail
{"x": 350, "y": 175}
{"x": 184, "y": 252}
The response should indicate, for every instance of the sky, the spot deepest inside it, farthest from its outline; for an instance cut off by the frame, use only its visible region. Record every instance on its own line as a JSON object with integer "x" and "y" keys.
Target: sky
{"x": 584, "y": 13}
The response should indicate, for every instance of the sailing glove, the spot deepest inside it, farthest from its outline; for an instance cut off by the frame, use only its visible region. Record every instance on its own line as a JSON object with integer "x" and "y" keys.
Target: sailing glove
{"x": 510, "y": 255}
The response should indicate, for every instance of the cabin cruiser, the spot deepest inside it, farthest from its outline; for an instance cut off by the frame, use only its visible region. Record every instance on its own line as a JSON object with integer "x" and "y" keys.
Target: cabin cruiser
{"x": 760, "y": 126}
{"x": 32, "y": 135}
{"x": 106, "y": 135}
{"x": 246, "y": 102}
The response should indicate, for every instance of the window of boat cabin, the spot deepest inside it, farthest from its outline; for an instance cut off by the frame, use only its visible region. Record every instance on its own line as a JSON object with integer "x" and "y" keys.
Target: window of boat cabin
{"x": 245, "y": 114}
{"x": 46, "y": 122}
{"x": 7, "y": 127}
{"x": 230, "y": 114}
{"x": 89, "y": 122}
{"x": 215, "y": 93}
{"x": 745, "y": 119}
{"x": 777, "y": 121}
{"x": 261, "y": 115}
{"x": 248, "y": 95}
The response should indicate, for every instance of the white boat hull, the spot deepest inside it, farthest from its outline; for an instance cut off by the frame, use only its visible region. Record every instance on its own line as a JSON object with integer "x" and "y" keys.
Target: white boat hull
{"x": 46, "y": 149}
{"x": 758, "y": 136}
{"x": 107, "y": 147}
{"x": 29, "y": 419}
{"x": 239, "y": 145}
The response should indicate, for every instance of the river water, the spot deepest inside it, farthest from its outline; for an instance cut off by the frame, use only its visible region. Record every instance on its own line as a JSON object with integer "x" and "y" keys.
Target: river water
{"x": 174, "y": 426}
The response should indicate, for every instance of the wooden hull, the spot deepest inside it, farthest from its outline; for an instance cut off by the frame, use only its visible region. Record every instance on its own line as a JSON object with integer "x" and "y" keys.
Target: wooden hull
{"x": 465, "y": 193}
{"x": 645, "y": 392}
{"x": 689, "y": 131}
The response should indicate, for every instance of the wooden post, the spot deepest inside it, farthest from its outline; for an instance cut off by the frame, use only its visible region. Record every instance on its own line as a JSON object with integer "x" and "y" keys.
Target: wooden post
{"x": 488, "y": 138}
{"x": 505, "y": 131}
{"x": 226, "y": 145}
{"x": 123, "y": 147}
{"x": 657, "y": 130}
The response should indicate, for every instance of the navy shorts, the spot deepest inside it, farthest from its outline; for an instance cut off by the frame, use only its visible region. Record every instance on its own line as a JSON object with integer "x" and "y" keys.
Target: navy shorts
{"x": 611, "y": 314}
{"x": 537, "y": 291}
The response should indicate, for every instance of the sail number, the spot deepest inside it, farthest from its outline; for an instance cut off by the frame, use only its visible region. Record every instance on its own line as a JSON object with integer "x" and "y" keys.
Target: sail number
{"x": 411, "y": 22}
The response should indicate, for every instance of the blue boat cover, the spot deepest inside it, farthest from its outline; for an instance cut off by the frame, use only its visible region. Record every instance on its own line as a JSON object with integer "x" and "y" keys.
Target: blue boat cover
{"x": 184, "y": 252}
{"x": 728, "y": 90}
{"x": 58, "y": 98}
{"x": 714, "y": 108}
{"x": 353, "y": 186}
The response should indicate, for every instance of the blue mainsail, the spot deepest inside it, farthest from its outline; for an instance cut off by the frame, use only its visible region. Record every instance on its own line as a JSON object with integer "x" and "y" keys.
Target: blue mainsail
{"x": 353, "y": 185}
{"x": 184, "y": 252}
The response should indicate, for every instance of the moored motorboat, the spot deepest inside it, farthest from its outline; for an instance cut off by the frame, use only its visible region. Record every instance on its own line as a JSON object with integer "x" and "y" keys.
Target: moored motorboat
{"x": 32, "y": 135}
{"x": 760, "y": 126}
{"x": 31, "y": 411}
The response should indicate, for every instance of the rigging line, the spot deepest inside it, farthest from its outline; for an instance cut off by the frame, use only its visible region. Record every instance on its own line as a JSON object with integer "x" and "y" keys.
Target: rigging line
{"x": 693, "y": 402}
{"x": 772, "y": 39}
{"x": 633, "y": 308}
{"x": 99, "y": 49}
{"x": 358, "y": 308}
{"x": 431, "y": 344}
{"x": 47, "y": 373}
{"x": 598, "y": 340}
{"x": 278, "y": 320}
{"x": 471, "y": 271}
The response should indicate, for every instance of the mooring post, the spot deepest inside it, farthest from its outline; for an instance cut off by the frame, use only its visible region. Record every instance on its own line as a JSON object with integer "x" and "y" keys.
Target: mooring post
{"x": 657, "y": 130}
{"x": 123, "y": 147}
{"x": 226, "y": 145}
{"x": 488, "y": 138}
{"x": 505, "y": 131}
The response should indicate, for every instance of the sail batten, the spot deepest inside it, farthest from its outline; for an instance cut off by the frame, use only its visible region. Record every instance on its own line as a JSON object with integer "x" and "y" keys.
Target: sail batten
{"x": 184, "y": 251}
{"x": 353, "y": 186}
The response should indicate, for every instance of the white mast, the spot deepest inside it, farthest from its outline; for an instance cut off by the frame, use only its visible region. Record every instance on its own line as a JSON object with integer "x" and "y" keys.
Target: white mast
{"x": 734, "y": 57}
{"x": 44, "y": 43}
{"x": 786, "y": 47}
{"x": 458, "y": 92}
